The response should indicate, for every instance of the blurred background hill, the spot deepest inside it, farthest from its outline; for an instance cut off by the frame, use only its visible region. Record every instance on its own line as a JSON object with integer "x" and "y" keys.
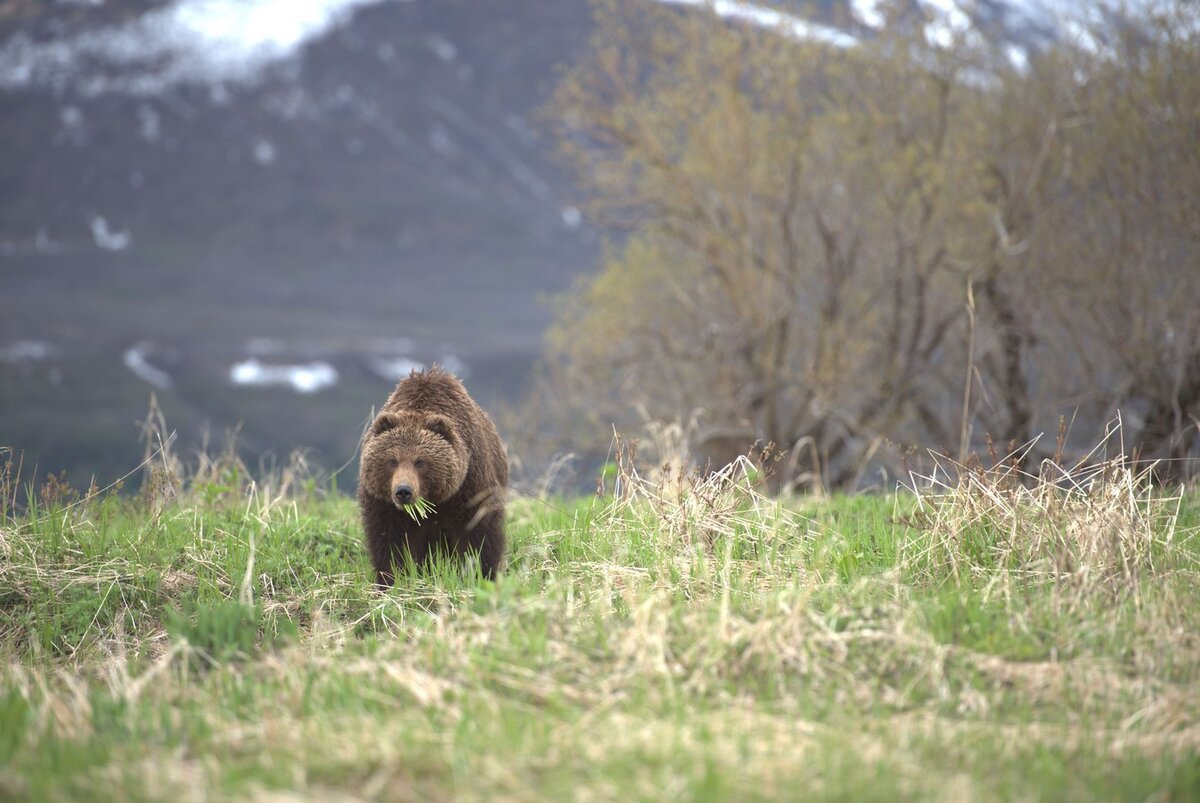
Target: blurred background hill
{"x": 266, "y": 212}
{"x": 346, "y": 188}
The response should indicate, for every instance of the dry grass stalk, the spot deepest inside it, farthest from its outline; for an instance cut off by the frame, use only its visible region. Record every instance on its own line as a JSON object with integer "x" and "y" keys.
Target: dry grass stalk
{"x": 1094, "y": 529}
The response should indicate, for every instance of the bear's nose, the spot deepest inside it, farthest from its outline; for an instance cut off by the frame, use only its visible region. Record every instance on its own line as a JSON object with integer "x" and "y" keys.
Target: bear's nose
{"x": 403, "y": 493}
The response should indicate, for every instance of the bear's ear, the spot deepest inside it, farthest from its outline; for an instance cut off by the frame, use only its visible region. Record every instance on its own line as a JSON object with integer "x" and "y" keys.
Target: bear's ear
{"x": 385, "y": 422}
{"x": 441, "y": 425}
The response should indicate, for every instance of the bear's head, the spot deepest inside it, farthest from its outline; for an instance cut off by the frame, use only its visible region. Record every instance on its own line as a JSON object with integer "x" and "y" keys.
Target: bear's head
{"x": 409, "y": 456}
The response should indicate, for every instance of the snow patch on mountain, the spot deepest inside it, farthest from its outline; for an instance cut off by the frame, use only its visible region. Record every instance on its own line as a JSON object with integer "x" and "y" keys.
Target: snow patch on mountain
{"x": 948, "y": 22}
{"x": 302, "y": 378}
{"x": 868, "y": 12}
{"x": 108, "y": 238}
{"x": 136, "y": 359}
{"x": 761, "y": 16}
{"x": 1021, "y": 25}
{"x": 28, "y": 351}
{"x": 188, "y": 41}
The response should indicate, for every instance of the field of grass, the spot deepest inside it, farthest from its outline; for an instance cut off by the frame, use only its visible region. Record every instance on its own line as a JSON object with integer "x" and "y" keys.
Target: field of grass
{"x": 979, "y": 639}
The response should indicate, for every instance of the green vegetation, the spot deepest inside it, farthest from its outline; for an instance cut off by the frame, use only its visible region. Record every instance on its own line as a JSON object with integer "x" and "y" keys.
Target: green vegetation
{"x": 421, "y": 509}
{"x": 681, "y": 638}
{"x": 850, "y": 252}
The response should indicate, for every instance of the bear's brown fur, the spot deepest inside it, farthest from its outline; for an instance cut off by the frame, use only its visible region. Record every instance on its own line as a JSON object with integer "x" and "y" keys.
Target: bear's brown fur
{"x": 432, "y": 441}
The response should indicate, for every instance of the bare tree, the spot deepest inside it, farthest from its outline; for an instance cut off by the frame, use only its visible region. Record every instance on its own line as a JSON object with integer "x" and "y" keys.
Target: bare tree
{"x": 1138, "y": 186}
{"x": 802, "y": 225}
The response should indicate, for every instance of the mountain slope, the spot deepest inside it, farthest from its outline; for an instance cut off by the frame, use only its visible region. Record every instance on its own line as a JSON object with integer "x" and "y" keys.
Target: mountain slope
{"x": 379, "y": 193}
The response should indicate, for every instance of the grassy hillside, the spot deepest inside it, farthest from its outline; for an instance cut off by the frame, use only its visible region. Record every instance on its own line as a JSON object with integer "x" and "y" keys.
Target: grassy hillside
{"x": 678, "y": 641}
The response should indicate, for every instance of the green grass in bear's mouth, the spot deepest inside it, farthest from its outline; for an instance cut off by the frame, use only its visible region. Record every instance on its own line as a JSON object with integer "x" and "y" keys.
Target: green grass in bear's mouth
{"x": 420, "y": 509}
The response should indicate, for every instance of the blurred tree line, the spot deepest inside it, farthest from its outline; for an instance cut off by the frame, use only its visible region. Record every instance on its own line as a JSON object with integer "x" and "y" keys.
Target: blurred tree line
{"x": 856, "y": 253}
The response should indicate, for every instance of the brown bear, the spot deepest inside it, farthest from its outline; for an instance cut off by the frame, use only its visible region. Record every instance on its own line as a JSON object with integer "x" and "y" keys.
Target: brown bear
{"x": 432, "y": 443}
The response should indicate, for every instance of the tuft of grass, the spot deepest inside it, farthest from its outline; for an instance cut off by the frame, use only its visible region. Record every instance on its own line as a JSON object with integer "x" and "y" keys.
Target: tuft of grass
{"x": 420, "y": 509}
{"x": 225, "y": 630}
{"x": 1090, "y": 534}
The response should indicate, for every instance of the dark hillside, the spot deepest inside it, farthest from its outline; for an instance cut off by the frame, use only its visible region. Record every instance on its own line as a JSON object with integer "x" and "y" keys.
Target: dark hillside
{"x": 387, "y": 196}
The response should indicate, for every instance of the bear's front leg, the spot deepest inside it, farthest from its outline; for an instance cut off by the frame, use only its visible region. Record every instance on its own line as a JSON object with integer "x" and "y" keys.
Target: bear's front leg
{"x": 491, "y": 552}
{"x": 391, "y": 539}
{"x": 486, "y": 539}
{"x": 401, "y": 550}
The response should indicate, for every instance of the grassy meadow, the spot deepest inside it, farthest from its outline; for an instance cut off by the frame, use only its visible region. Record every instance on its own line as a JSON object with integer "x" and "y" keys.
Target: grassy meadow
{"x": 217, "y": 637}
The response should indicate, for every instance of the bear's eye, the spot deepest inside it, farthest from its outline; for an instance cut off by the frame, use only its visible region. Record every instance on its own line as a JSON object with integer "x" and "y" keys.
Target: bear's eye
{"x": 393, "y": 462}
{"x": 419, "y": 464}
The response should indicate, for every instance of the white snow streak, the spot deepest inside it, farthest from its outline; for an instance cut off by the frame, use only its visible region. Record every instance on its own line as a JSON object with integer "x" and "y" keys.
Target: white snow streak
{"x": 947, "y": 22}
{"x": 27, "y": 351}
{"x": 868, "y": 13}
{"x": 765, "y": 17}
{"x": 107, "y": 238}
{"x": 454, "y": 365}
{"x": 572, "y": 218}
{"x": 188, "y": 41}
{"x": 306, "y": 378}
{"x": 1018, "y": 57}
{"x": 135, "y": 360}
{"x": 264, "y": 151}
{"x": 442, "y": 47}
{"x": 393, "y": 369}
